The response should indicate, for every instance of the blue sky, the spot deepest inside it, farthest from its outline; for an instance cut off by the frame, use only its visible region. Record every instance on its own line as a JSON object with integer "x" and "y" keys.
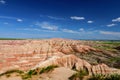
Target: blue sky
{"x": 75, "y": 19}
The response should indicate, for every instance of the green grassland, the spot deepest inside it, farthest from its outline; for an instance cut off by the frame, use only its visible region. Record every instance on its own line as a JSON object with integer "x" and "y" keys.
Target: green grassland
{"x": 107, "y": 45}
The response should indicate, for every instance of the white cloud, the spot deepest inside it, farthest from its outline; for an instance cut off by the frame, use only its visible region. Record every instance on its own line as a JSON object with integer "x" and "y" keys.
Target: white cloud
{"x": 7, "y": 17}
{"x": 111, "y": 25}
{"x": 80, "y": 32}
{"x": 55, "y": 18}
{"x": 69, "y": 31}
{"x": 2, "y": 1}
{"x": 19, "y": 20}
{"x": 110, "y": 33}
{"x": 81, "y": 29}
{"x": 46, "y": 25}
{"x": 89, "y": 21}
{"x": 30, "y": 29}
{"x": 116, "y": 20}
{"x": 77, "y": 18}
{"x": 36, "y": 29}
{"x": 12, "y": 18}
{"x": 52, "y": 17}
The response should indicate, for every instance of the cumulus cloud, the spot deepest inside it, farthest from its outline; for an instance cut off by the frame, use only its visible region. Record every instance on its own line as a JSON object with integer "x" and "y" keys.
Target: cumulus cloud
{"x": 46, "y": 25}
{"x": 110, "y": 33}
{"x": 2, "y": 1}
{"x": 116, "y": 20}
{"x": 111, "y": 25}
{"x": 69, "y": 31}
{"x": 19, "y": 20}
{"x": 81, "y": 29}
{"x": 89, "y": 21}
{"x": 77, "y": 18}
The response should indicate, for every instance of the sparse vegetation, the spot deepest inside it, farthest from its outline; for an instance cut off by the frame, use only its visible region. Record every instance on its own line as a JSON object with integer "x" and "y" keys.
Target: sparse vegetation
{"x": 47, "y": 69}
{"x": 113, "y": 77}
{"x": 107, "y": 45}
{"x": 11, "y": 71}
{"x": 29, "y": 74}
{"x": 8, "y": 75}
{"x": 25, "y": 77}
{"x": 115, "y": 62}
{"x": 105, "y": 77}
{"x": 106, "y": 52}
{"x": 38, "y": 71}
{"x": 97, "y": 77}
{"x": 79, "y": 75}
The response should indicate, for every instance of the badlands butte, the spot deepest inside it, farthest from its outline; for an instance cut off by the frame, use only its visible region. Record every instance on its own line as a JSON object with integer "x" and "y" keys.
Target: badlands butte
{"x": 58, "y": 59}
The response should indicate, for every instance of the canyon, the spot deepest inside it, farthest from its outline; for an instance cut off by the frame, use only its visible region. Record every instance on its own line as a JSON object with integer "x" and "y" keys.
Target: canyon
{"x": 67, "y": 54}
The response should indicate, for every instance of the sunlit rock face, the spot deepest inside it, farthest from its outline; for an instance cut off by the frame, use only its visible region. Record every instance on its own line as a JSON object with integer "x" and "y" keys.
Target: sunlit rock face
{"x": 71, "y": 61}
{"x": 30, "y": 54}
{"x": 43, "y": 46}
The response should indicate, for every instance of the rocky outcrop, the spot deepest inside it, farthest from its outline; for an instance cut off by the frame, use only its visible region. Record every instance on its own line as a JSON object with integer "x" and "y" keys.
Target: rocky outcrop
{"x": 118, "y": 48}
{"x": 60, "y": 73}
{"x": 44, "y": 46}
{"x": 50, "y": 52}
{"x": 71, "y": 61}
{"x": 101, "y": 69}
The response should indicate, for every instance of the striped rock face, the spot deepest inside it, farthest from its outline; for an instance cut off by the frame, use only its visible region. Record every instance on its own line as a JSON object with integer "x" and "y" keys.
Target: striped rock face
{"x": 71, "y": 61}
{"x": 30, "y": 54}
{"x": 43, "y": 46}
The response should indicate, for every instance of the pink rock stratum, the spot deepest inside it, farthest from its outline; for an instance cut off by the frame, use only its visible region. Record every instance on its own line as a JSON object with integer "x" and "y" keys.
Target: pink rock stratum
{"x": 30, "y": 54}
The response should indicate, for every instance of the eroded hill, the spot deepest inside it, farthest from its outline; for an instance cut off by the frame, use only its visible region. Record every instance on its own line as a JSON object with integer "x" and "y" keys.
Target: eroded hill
{"x": 69, "y": 55}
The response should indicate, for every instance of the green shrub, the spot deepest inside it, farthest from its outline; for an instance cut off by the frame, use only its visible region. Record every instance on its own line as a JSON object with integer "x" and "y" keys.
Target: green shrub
{"x": 8, "y": 75}
{"x": 115, "y": 62}
{"x": 47, "y": 69}
{"x": 30, "y": 73}
{"x": 79, "y": 75}
{"x": 25, "y": 77}
{"x": 113, "y": 77}
{"x": 105, "y": 77}
{"x": 37, "y": 72}
{"x": 11, "y": 71}
{"x": 97, "y": 77}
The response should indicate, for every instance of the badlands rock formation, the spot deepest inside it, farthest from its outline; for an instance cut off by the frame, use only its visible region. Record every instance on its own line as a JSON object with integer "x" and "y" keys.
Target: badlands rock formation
{"x": 25, "y": 54}
{"x": 30, "y": 54}
{"x": 43, "y": 46}
{"x": 71, "y": 61}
